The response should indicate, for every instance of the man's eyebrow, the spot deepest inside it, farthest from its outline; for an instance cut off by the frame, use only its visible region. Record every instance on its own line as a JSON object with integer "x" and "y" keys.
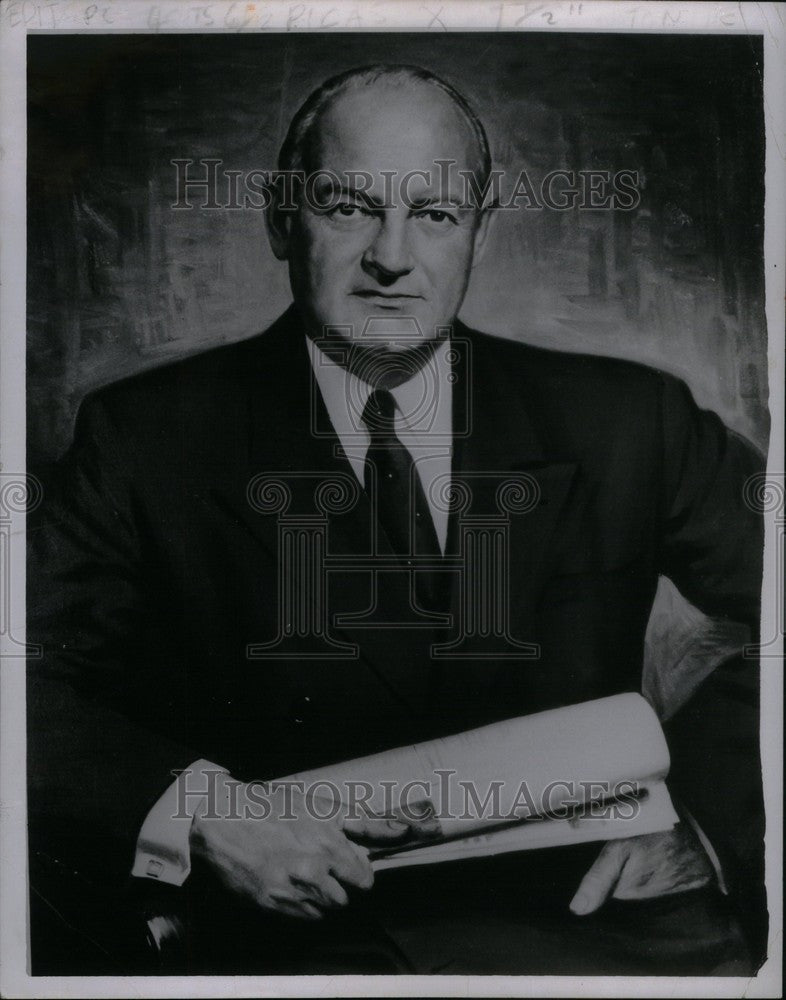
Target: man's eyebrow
{"x": 430, "y": 200}
{"x": 365, "y": 196}
{"x": 348, "y": 190}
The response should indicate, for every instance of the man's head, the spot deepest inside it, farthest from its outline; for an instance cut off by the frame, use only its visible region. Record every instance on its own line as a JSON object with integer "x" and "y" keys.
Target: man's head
{"x": 382, "y": 241}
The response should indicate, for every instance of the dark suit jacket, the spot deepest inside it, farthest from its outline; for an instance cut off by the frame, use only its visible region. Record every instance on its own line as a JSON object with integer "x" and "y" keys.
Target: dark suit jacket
{"x": 150, "y": 573}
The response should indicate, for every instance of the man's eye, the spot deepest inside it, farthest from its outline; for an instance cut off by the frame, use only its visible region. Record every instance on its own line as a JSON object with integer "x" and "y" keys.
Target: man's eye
{"x": 437, "y": 215}
{"x": 347, "y": 210}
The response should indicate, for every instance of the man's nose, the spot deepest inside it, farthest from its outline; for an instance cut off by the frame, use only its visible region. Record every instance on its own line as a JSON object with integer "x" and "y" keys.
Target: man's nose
{"x": 389, "y": 257}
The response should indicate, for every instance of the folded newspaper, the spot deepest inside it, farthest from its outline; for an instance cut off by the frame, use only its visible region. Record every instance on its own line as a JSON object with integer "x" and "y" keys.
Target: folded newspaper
{"x": 592, "y": 771}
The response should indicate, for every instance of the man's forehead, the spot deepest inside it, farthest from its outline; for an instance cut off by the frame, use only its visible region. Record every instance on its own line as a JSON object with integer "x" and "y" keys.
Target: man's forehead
{"x": 384, "y": 127}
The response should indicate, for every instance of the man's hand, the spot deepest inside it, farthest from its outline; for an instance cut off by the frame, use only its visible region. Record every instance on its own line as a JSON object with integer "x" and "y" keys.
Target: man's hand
{"x": 656, "y": 864}
{"x": 297, "y": 866}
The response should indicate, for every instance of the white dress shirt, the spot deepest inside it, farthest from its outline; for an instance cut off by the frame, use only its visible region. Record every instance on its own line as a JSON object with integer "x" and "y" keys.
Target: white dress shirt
{"x": 423, "y": 424}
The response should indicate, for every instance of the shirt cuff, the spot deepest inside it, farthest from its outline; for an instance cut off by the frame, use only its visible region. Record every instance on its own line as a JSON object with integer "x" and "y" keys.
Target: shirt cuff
{"x": 162, "y": 847}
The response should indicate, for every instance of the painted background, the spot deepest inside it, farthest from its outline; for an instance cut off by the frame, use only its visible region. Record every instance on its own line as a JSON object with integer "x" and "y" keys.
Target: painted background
{"x": 118, "y": 281}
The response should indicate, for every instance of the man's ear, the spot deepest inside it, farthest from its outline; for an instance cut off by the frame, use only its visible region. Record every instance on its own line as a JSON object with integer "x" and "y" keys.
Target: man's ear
{"x": 481, "y": 235}
{"x": 279, "y": 224}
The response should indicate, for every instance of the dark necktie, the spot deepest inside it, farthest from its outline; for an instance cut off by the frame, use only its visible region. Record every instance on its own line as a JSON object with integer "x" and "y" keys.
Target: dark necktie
{"x": 391, "y": 479}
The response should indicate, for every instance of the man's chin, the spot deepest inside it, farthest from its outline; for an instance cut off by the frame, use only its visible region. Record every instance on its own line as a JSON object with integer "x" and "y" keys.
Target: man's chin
{"x": 397, "y": 331}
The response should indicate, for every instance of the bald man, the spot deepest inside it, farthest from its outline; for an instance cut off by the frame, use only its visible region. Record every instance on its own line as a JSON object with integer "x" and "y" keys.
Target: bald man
{"x": 163, "y": 577}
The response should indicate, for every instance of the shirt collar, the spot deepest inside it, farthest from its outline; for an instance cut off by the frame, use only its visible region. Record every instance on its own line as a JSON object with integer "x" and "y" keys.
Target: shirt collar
{"x": 424, "y": 401}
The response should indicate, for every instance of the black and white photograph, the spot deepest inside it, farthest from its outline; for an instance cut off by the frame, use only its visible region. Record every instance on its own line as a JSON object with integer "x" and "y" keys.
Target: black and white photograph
{"x": 392, "y": 499}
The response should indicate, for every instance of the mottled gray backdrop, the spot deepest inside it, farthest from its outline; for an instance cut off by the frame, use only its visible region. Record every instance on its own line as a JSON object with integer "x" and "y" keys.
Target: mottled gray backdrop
{"x": 119, "y": 282}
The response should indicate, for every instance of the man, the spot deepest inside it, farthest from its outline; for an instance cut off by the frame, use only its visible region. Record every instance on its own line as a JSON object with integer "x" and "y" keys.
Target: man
{"x": 167, "y": 602}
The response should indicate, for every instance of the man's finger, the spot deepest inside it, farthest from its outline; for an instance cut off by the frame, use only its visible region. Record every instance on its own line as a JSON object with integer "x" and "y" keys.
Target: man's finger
{"x": 322, "y": 889}
{"x": 298, "y": 908}
{"x": 376, "y": 829}
{"x": 350, "y": 865}
{"x": 598, "y": 884}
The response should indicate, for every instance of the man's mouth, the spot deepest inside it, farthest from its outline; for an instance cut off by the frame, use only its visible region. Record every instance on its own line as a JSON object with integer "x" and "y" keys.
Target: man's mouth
{"x": 386, "y": 300}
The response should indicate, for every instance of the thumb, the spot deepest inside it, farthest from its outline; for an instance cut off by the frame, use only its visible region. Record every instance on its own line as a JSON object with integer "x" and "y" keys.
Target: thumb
{"x": 376, "y": 829}
{"x": 599, "y": 882}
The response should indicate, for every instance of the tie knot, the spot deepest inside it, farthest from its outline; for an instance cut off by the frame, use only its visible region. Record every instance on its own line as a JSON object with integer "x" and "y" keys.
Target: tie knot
{"x": 380, "y": 411}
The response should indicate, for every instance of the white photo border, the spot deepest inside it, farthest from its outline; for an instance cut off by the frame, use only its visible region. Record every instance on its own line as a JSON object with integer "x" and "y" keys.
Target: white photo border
{"x": 18, "y": 18}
